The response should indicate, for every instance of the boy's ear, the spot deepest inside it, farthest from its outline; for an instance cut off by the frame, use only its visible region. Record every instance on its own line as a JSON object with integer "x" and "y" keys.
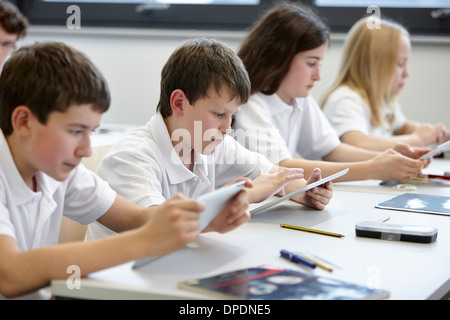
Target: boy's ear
{"x": 178, "y": 101}
{"x": 20, "y": 120}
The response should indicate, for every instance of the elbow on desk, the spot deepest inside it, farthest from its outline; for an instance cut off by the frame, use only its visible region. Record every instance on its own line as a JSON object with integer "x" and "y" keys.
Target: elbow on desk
{"x": 10, "y": 287}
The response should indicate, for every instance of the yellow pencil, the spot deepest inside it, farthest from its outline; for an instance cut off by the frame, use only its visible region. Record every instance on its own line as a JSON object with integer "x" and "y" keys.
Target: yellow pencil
{"x": 312, "y": 230}
{"x": 317, "y": 263}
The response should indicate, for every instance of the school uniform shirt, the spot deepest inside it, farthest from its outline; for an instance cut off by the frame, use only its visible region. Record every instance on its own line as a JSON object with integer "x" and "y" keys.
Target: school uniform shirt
{"x": 279, "y": 130}
{"x": 33, "y": 219}
{"x": 347, "y": 111}
{"x": 145, "y": 168}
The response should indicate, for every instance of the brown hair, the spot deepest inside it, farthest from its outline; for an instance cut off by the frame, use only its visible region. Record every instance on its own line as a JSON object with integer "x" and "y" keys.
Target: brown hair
{"x": 275, "y": 39}
{"x": 47, "y": 77}
{"x": 198, "y": 65}
{"x": 12, "y": 20}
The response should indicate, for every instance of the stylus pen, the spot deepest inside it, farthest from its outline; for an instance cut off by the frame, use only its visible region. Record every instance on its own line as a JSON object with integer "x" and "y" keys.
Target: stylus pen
{"x": 295, "y": 258}
{"x": 312, "y": 230}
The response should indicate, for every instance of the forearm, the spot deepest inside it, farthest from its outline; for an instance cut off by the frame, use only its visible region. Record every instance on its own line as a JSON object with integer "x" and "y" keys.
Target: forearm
{"x": 350, "y": 153}
{"x": 25, "y": 271}
{"x": 124, "y": 215}
{"x": 384, "y": 143}
{"x": 358, "y": 170}
{"x": 374, "y": 143}
{"x": 408, "y": 128}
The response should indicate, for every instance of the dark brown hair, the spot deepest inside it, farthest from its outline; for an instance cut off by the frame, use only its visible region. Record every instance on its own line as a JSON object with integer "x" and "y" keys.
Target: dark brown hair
{"x": 198, "y": 65}
{"x": 12, "y": 20}
{"x": 47, "y": 77}
{"x": 271, "y": 44}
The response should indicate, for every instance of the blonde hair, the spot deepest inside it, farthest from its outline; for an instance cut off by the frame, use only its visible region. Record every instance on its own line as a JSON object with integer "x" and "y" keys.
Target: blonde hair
{"x": 368, "y": 63}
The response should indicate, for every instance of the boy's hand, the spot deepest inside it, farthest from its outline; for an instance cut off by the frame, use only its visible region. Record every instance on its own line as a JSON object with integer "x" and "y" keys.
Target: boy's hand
{"x": 172, "y": 225}
{"x": 320, "y": 196}
{"x": 266, "y": 185}
{"x": 234, "y": 214}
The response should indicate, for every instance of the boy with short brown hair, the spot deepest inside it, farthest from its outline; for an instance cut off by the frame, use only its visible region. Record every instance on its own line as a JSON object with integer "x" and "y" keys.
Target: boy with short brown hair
{"x": 51, "y": 98}
{"x": 186, "y": 146}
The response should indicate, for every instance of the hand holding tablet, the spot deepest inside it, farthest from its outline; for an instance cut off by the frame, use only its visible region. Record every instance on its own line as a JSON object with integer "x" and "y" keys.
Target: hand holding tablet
{"x": 296, "y": 192}
{"x": 214, "y": 203}
{"x": 435, "y": 151}
{"x": 217, "y": 200}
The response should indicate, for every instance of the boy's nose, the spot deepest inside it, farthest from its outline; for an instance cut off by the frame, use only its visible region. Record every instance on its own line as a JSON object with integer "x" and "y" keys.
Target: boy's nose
{"x": 226, "y": 125}
{"x": 85, "y": 149}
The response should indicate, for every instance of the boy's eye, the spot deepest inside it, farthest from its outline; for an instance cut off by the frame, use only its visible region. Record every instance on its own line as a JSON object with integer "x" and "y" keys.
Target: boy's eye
{"x": 75, "y": 132}
{"x": 219, "y": 115}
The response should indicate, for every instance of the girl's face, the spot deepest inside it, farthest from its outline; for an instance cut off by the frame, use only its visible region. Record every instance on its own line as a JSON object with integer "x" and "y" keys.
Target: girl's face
{"x": 303, "y": 73}
{"x": 401, "y": 70}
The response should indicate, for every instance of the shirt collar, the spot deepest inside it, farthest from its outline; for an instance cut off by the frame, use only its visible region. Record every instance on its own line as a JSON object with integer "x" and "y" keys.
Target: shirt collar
{"x": 176, "y": 171}
{"x": 276, "y": 105}
{"x": 20, "y": 192}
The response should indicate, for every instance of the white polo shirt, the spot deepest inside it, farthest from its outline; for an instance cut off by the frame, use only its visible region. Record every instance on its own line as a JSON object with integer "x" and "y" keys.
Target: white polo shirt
{"x": 347, "y": 111}
{"x": 33, "y": 219}
{"x": 279, "y": 130}
{"x": 145, "y": 168}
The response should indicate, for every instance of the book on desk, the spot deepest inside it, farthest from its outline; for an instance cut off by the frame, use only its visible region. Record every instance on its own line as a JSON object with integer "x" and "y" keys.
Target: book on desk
{"x": 272, "y": 283}
{"x": 415, "y": 202}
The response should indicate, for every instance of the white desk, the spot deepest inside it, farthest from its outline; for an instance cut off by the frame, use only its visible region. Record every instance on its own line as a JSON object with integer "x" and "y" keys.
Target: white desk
{"x": 408, "y": 270}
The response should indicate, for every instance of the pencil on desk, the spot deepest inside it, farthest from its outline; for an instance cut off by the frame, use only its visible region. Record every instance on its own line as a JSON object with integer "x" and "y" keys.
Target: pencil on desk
{"x": 311, "y": 230}
{"x": 317, "y": 263}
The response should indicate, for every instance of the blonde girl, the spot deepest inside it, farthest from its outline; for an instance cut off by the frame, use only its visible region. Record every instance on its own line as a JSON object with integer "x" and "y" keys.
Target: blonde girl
{"x": 362, "y": 103}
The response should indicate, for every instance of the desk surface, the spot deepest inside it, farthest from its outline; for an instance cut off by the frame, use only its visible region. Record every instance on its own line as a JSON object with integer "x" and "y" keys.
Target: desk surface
{"x": 408, "y": 270}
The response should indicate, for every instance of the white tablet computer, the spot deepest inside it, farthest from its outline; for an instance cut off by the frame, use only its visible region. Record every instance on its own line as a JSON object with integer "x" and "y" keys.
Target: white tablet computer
{"x": 439, "y": 148}
{"x": 215, "y": 201}
{"x": 296, "y": 192}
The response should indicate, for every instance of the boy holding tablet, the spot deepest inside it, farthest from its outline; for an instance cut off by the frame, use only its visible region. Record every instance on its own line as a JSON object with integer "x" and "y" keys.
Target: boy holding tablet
{"x": 185, "y": 147}
{"x": 51, "y": 99}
